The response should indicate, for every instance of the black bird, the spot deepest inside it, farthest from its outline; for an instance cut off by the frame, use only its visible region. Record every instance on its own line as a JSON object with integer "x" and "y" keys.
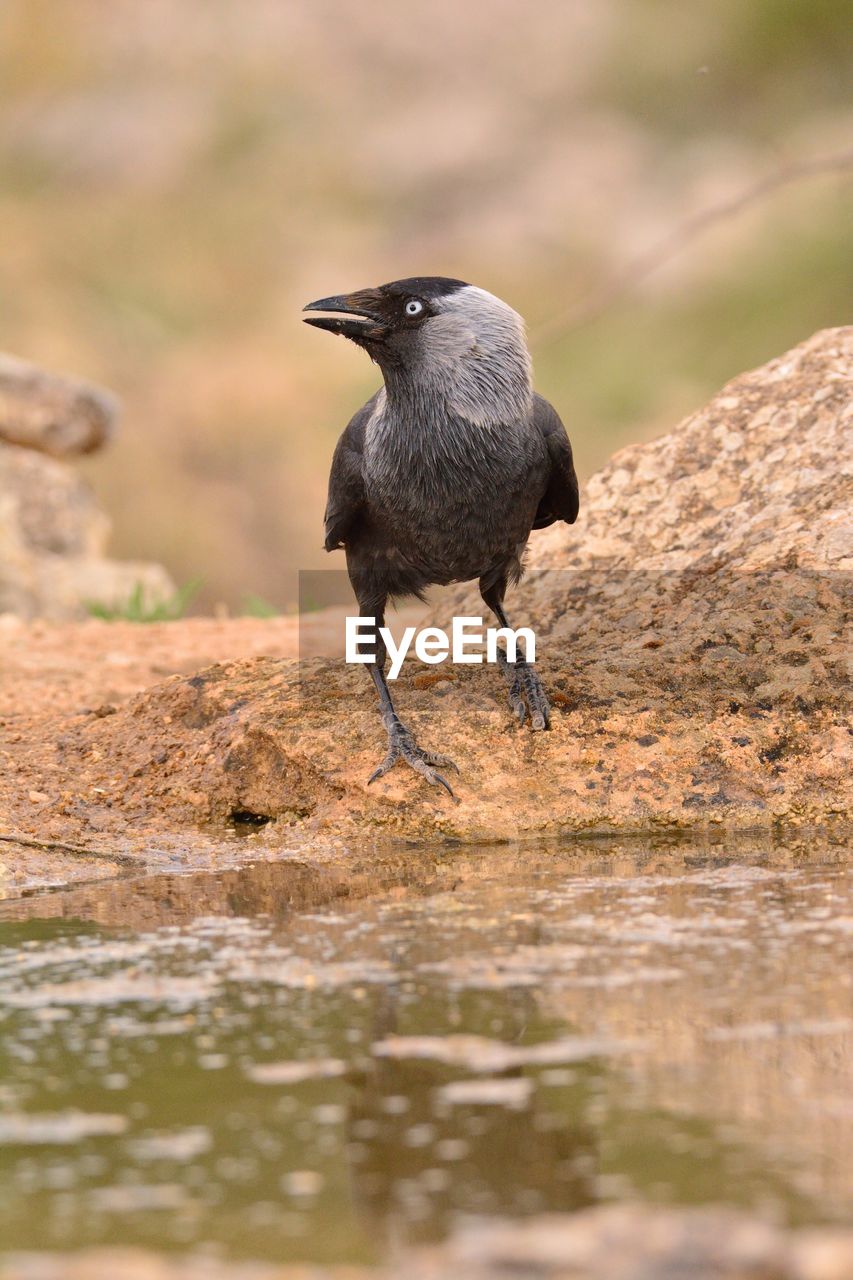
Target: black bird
{"x": 441, "y": 476}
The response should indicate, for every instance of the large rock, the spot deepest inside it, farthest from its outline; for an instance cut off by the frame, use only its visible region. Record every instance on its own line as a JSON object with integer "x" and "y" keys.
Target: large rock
{"x": 760, "y": 478}
{"x": 690, "y": 632}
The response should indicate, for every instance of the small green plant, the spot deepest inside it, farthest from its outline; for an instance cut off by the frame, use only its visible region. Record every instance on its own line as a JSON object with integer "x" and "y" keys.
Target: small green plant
{"x": 137, "y": 609}
{"x": 309, "y": 603}
{"x": 257, "y": 607}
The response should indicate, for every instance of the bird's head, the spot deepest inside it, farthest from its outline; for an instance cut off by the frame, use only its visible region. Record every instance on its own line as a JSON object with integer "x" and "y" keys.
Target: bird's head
{"x": 439, "y": 336}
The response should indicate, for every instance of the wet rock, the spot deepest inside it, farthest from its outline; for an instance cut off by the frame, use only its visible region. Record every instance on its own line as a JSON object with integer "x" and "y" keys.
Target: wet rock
{"x": 690, "y": 631}
{"x": 53, "y": 535}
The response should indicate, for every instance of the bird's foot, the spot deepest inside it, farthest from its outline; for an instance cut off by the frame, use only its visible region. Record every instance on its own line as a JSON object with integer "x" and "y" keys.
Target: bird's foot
{"x": 526, "y": 695}
{"x": 402, "y": 746}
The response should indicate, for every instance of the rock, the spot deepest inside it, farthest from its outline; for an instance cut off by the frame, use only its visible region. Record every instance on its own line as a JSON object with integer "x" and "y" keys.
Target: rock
{"x": 760, "y": 478}
{"x": 54, "y": 414}
{"x": 53, "y": 538}
{"x": 53, "y": 535}
{"x": 47, "y": 508}
{"x": 690, "y": 632}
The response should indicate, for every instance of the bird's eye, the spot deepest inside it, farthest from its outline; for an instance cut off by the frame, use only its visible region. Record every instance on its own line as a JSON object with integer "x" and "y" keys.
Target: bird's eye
{"x": 413, "y": 307}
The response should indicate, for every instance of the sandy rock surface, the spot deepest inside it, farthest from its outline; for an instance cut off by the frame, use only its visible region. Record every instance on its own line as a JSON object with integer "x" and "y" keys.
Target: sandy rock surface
{"x": 690, "y": 632}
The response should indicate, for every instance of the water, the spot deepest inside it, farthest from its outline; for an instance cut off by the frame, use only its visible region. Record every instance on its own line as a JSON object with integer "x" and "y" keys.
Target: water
{"x": 265, "y": 1063}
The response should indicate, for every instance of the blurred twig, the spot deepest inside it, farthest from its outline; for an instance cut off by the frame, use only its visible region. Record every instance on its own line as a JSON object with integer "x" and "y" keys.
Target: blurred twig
{"x": 595, "y": 303}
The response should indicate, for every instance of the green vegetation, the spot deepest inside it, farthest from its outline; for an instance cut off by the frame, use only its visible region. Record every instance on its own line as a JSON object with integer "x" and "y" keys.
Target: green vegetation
{"x": 138, "y": 608}
{"x": 257, "y": 607}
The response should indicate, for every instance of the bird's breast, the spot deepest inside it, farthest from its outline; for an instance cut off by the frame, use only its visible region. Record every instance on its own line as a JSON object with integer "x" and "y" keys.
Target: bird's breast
{"x": 454, "y": 501}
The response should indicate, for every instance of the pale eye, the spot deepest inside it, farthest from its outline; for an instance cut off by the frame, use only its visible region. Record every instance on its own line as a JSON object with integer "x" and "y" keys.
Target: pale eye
{"x": 413, "y": 307}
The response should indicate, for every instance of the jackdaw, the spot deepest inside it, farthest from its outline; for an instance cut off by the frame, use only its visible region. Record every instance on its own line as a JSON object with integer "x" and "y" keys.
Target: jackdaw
{"x": 442, "y": 475}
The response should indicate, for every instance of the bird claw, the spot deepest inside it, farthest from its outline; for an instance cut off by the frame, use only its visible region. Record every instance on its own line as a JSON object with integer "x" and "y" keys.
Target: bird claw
{"x": 526, "y": 695}
{"x": 402, "y": 746}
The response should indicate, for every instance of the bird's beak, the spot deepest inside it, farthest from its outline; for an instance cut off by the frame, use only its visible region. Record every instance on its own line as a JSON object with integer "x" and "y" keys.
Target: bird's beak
{"x": 360, "y": 318}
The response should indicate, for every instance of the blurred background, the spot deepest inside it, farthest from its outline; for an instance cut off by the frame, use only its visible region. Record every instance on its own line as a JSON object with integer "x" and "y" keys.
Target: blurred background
{"x": 177, "y": 179}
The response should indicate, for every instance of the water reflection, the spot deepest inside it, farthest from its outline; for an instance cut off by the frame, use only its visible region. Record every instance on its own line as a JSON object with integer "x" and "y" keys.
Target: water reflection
{"x": 265, "y": 1062}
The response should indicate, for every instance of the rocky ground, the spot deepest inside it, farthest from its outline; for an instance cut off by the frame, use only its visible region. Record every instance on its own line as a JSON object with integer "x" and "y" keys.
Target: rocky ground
{"x": 690, "y": 631}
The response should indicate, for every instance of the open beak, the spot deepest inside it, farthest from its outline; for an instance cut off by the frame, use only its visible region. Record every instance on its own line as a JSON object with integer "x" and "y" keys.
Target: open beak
{"x": 360, "y": 317}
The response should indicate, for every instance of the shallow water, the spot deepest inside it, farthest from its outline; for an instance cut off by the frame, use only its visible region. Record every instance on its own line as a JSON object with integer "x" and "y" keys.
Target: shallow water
{"x": 252, "y": 1063}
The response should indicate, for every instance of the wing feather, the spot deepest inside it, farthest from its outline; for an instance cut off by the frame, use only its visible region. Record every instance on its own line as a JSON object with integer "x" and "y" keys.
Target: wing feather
{"x": 346, "y": 499}
{"x": 560, "y": 501}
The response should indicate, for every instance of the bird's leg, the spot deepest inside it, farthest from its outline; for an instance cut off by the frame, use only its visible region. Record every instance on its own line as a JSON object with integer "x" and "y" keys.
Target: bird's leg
{"x": 401, "y": 741}
{"x": 403, "y": 746}
{"x": 526, "y": 695}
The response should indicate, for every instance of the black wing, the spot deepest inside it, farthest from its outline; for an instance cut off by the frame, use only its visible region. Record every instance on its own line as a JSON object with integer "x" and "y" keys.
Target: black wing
{"x": 346, "y": 480}
{"x": 560, "y": 500}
